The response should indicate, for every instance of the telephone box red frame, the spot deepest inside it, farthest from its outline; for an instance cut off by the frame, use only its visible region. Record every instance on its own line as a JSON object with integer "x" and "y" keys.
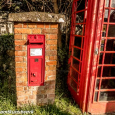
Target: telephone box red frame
{"x": 83, "y": 75}
{"x": 36, "y": 41}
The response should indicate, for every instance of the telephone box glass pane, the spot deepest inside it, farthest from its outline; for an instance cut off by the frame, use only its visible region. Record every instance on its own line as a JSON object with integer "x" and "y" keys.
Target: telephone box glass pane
{"x": 81, "y": 5}
{"x": 110, "y": 45}
{"x": 107, "y": 96}
{"x": 77, "y": 53}
{"x": 80, "y": 17}
{"x": 77, "y": 41}
{"x": 99, "y": 71}
{"x": 76, "y": 64}
{"x": 96, "y": 96}
{"x": 97, "y": 84}
{"x": 106, "y": 16}
{"x": 101, "y": 58}
{"x": 108, "y": 84}
{"x": 109, "y": 58}
{"x": 104, "y": 31}
{"x": 74, "y": 85}
{"x": 74, "y": 74}
{"x": 79, "y": 29}
{"x": 111, "y": 32}
{"x": 36, "y": 52}
{"x": 112, "y": 16}
{"x": 113, "y": 3}
{"x": 102, "y": 45}
{"x": 107, "y": 3}
{"x": 109, "y": 71}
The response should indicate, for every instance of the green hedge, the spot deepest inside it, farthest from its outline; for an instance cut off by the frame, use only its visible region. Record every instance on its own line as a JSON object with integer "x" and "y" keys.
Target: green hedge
{"x": 7, "y": 66}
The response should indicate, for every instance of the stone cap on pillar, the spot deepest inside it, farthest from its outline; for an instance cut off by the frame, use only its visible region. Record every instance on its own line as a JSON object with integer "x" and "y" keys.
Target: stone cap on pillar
{"x": 36, "y": 17}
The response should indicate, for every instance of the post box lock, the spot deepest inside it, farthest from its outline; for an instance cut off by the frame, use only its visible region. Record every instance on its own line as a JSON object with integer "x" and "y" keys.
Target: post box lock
{"x": 34, "y": 74}
{"x": 36, "y": 60}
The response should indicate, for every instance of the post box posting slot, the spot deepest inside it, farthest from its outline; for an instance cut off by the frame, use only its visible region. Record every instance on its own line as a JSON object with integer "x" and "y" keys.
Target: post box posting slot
{"x": 36, "y": 60}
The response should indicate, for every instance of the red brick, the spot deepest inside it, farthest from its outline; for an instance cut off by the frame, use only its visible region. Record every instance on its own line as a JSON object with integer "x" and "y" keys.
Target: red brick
{"x": 24, "y": 48}
{"x": 18, "y": 37}
{"x": 22, "y": 31}
{"x": 21, "y": 69}
{"x": 20, "y": 79}
{"x": 34, "y": 92}
{"x": 25, "y": 59}
{"x": 50, "y": 91}
{"x": 51, "y": 63}
{"x": 31, "y": 25}
{"x": 49, "y": 31}
{"x": 20, "y": 42}
{"x": 49, "y": 53}
{"x": 25, "y": 25}
{"x": 46, "y": 58}
{"x": 25, "y": 88}
{"x": 26, "y": 97}
{"x": 21, "y": 75}
{"x": 21, "y": 64}
{"x": 46, "y": 68}
{"x": 52, "y": 78}
{"x": 18, "y": 25}
{"x": 25, "y": 79}
{"x": 51, "y": 42}
{"x": 53, "y": 58}
{"x": 19, "y": 88}
{"x": 47, "y": 26}
{"x": 52, "y": 67}
{"x": 47, "y": 36}
{"x": 20, "y": 97}
{"x": 24, "y": 36}
{"x": 49, "y": 73}
{"x": 54, "y": 25}
{"x": 53, "y": 36}
{"x": 47, "y": 47}
{"x": 31, "y": 97}
{"x": 20, "y": 53}
{"x": 46, "y": 78}
{"x": 40, "y": 25}
{"x": 18, "y": 47}
{"x": 53, "y": 47}
{"x": 51, "y": 96}
{"x": 18, "y": 59}
{"x": 36, "y": 31}
{"x": 21, "y": 84}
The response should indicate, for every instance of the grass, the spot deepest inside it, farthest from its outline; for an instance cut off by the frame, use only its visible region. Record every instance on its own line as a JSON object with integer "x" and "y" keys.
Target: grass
{"x": 64, "y": 104}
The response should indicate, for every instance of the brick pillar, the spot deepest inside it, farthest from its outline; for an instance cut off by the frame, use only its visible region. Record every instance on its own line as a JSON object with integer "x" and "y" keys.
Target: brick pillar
{"x": 35, "y": 94}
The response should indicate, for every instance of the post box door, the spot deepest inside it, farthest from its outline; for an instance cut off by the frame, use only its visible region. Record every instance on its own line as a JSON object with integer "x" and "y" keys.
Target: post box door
{"x": 36, "y": 60}
{"x": 35, "y": 70}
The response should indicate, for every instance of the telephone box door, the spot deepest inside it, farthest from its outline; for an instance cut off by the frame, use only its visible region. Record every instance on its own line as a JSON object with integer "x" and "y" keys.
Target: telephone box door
{"x": 101, "y": 95}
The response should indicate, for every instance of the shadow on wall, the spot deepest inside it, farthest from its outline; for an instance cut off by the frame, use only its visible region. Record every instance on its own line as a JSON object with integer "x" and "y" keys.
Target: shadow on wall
{"x": 7, "y": 68}
{"x": 46, "y": 93}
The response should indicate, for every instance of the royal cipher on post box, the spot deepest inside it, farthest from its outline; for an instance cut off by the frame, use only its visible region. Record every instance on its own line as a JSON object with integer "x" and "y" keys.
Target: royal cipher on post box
{"x": 36, "y": 60}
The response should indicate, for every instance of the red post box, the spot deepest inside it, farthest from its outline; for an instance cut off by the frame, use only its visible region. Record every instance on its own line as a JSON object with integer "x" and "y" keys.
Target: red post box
{"x": 36, "y": 60}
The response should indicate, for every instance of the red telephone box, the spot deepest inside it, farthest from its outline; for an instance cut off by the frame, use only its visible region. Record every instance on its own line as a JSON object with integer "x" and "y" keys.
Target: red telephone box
{"x": 91, "y": 79}
{"x": 36, "y": 60}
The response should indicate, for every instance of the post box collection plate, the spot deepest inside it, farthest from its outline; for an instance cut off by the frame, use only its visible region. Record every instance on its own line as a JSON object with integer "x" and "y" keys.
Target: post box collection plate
{"x": 36, "y": 52}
